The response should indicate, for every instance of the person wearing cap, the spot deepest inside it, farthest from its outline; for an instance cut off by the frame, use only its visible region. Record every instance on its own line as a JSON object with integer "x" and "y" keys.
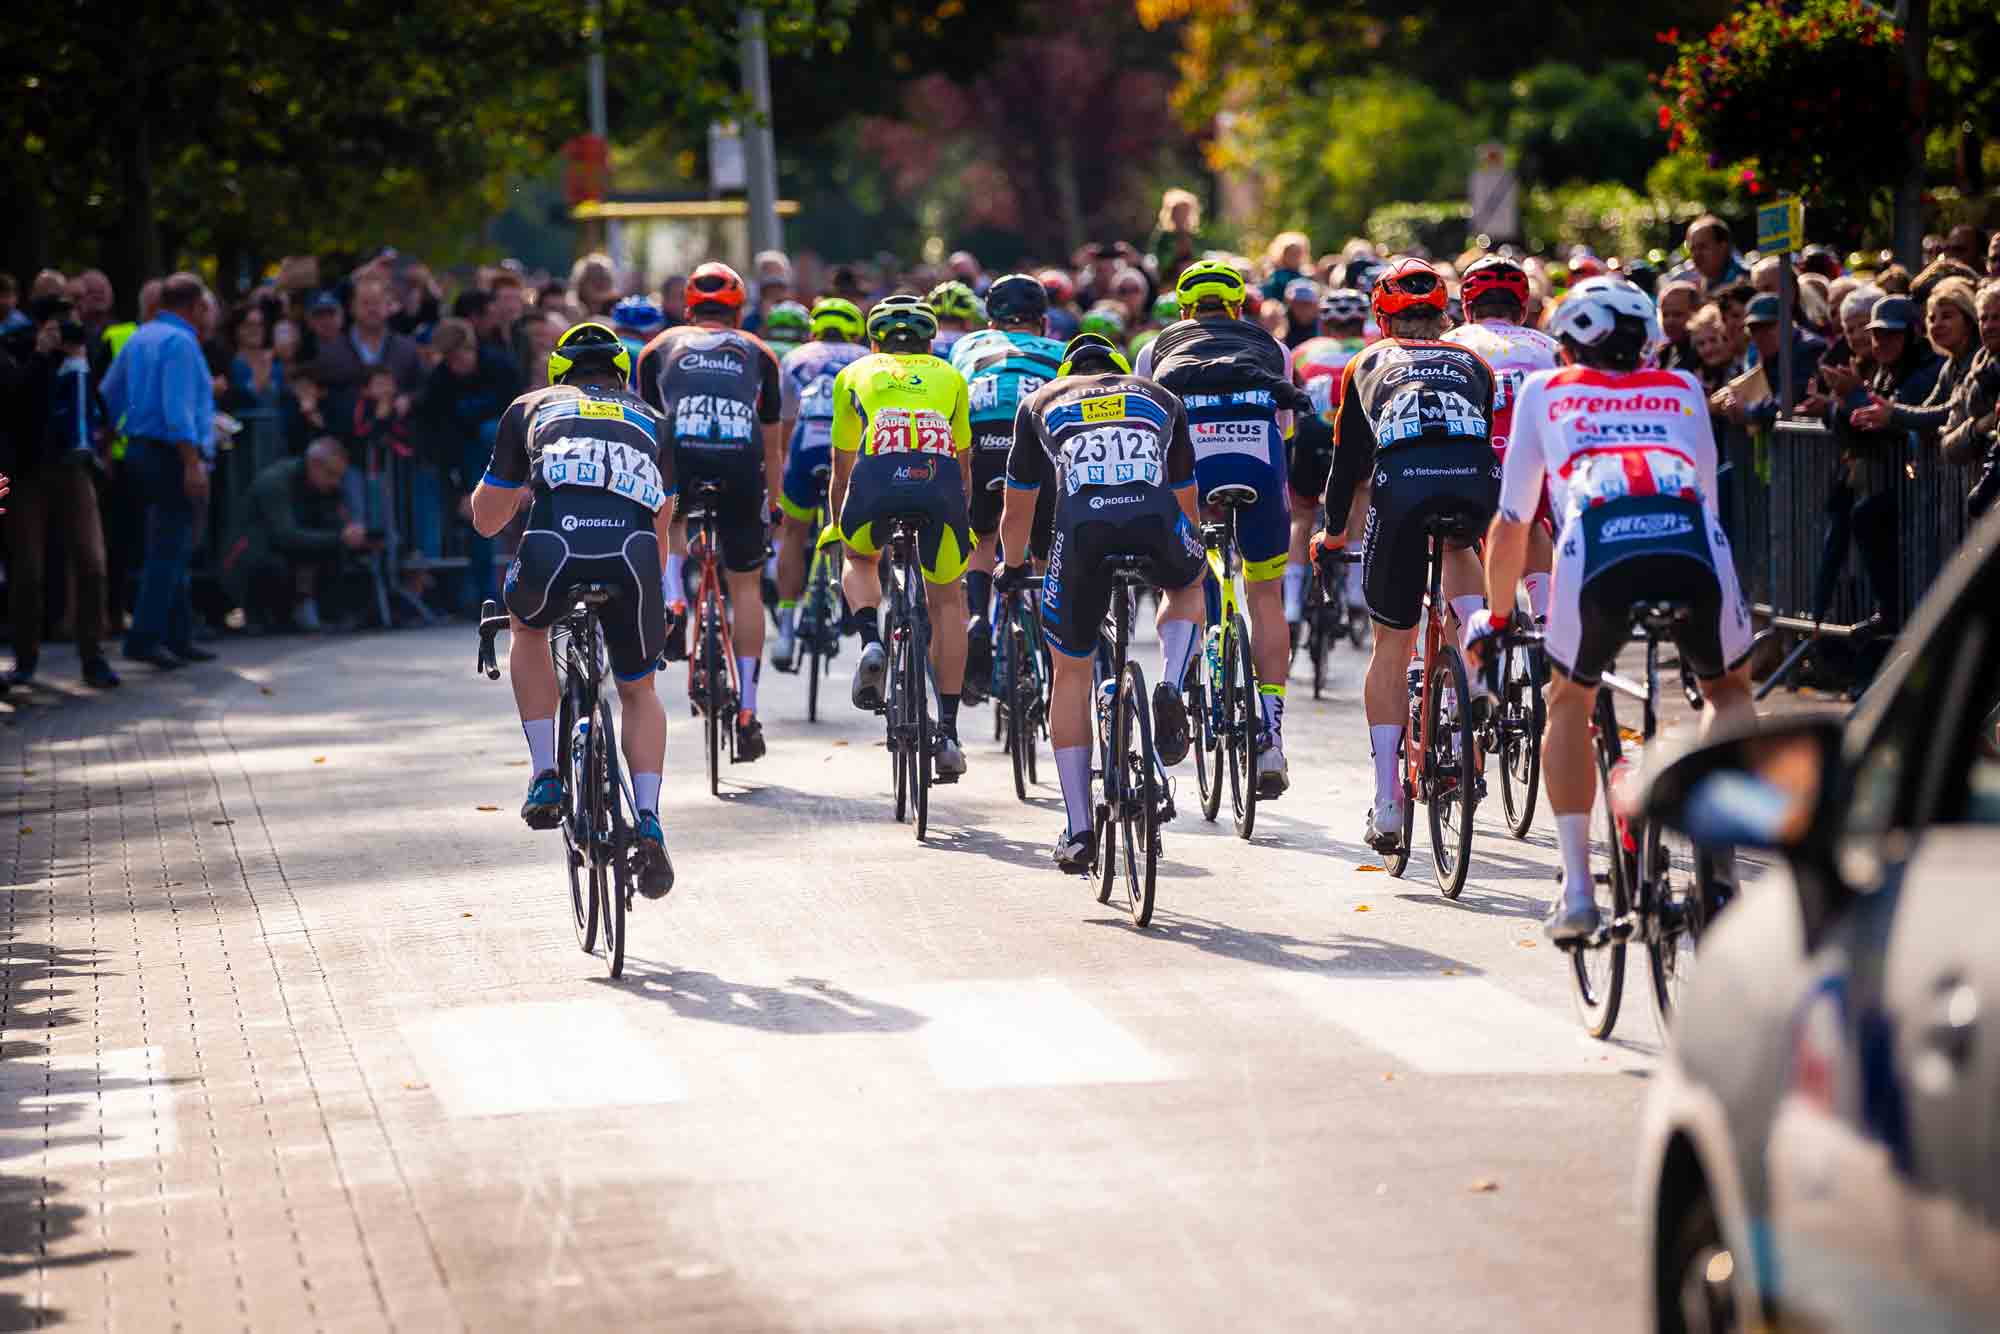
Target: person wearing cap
{"x": 323, "y": 316}
{"x": 1951, "y": 324}
{"x": 1761, "y": 318}
{"x": 1301, "y": 311}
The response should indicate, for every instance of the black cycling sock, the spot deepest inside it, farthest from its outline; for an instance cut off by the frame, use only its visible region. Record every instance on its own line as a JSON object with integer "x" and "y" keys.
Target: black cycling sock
{"x": 868, "y": 621}
{"x": 979, "y": 592}
{"x": 948, "y": 713}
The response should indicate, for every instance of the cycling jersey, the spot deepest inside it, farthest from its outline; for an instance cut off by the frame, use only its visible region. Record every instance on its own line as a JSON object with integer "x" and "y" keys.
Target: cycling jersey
{"x": 1629, "y": 462}
{"x": 1001, "y": 368}
{"x": 1418, "y": 414}
{"x": 1515, "y": 352}
{"x": 600, "y": 476}
{"x": 942, "y": 345}
{"x": 715, "y": 387}
{"x": 1114, "y": 449}
{"x": 1235, "y": 380}
{"x": 1317, "y": 363}
{"x": 907, "y": 415}
{"x": 805, "y": 380}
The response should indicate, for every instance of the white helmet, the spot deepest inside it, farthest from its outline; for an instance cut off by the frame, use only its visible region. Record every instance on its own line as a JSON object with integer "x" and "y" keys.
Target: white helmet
{"x": 1594, "y": 306}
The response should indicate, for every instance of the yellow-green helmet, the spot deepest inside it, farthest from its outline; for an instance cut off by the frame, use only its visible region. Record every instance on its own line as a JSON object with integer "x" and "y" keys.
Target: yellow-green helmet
{"x": 953, "y": 300}
{"x": 589, "y": 346}
{"x": 903, "y": 317}
{"x": 1209, "y": 280}
{"x": 833, "y": 314}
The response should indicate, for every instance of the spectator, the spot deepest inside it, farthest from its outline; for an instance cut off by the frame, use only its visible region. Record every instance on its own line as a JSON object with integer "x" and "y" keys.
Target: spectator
{"x": 1972, "y": 432}
{"x": 510, "y": 306}
{"x": 161, "y": 389}
{"x": 593, "y": 282}
{"x": 1894, "y": 280}
{"x": 1814, "y": 308}
{"x": 1937, "y": 271}
{"x": 539, "y": 335}
{"x": 1177, "y": 239}
{"x": 1678, "y": 300}
{"x": 418, "y": 301}
{"x": 305, "y": 416}
{"x": 1951, "y": 321}
{"x": 482, "y": 311}
{"x": 1301, "y": 311}
{"x": 1847, "y": 364}
{"x": 256, "y": 379}
{"x": 1712, "y": 263}
{"x": 344, "y": 361}
{"x": 287, "y": 549}
{"x": 1993, "y": 255}
{"x": 553, "y": 298}
{"x": 92, "y": 294}
{"x": 322, "y": 326}
{"x": 1130, "y": 289}
{"x": 673, "y": 299}
{"x": 1286, "y": 257}
{"x": 1708, "y": 332}
{"x": 456, "y": 421}
{"x": 12, "y": 317}
{"x": 58, "y": 433}
{"x": 1764, "y": 275}
{"x": 1807, "y": 349}
{"x": 1966, "y": 244}
{"x": 1734, "y": 303}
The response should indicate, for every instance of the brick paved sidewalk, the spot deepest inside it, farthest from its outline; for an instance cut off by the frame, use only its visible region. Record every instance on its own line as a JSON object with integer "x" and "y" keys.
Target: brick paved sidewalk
{"x": 186, "y": 1139}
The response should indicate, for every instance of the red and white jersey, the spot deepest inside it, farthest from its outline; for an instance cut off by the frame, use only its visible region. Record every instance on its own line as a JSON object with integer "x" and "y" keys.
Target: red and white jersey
{"x": 1317, "y": 364}
{"x": 1597, "y": 436}
{"x": 1515, "y": 352}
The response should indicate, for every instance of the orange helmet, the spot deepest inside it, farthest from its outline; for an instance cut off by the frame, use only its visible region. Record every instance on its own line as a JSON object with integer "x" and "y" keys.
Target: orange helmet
{"x": 1408, "y": 284}
{"x": 716, "y": 284}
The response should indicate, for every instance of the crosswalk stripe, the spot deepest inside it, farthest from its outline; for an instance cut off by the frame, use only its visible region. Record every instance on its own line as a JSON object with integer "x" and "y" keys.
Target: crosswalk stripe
{"x": 1025, "y": 1033}
{"x": 539, "y": 1056}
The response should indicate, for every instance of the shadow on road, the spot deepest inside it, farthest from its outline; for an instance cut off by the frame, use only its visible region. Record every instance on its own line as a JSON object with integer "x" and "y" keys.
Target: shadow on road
{"x": 806, "y": 1006}
{"x": 1341, "y": 953}
{"x": 1485, "y": 903}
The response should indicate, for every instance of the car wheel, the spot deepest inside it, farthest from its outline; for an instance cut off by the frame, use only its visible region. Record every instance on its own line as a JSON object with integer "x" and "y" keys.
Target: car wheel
{"x": 1695, "y": 1290}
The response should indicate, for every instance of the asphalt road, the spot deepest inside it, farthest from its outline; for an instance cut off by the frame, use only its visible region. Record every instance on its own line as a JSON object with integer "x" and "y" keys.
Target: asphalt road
{"x": 298, "y": 1036}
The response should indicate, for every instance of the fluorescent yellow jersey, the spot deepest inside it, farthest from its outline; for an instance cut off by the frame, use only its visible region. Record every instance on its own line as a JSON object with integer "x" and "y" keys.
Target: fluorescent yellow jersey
{"x": 898, "y": 403}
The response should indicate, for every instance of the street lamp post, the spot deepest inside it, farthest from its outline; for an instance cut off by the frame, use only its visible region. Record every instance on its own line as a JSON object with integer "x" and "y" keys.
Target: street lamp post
{"x": 760, "y": 156}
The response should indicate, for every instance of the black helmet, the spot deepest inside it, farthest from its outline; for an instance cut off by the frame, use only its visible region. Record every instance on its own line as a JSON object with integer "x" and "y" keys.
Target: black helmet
{"x": 1017, "y": 296}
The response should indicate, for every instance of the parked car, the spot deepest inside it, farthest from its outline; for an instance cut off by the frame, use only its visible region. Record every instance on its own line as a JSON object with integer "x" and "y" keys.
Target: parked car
{"x": 1822, "y": 1146}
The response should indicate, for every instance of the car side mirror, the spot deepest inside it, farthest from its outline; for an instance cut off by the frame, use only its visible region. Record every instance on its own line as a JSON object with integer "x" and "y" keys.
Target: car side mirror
{"x": 1768, "y": 783}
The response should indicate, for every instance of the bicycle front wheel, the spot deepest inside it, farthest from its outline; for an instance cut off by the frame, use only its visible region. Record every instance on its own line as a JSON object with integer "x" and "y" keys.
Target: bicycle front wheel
{"x": 571, "y": 762}
{"x": 613, "y": 878}
{"x": 1671, "y": 891}
{"x": 1448, "y": 706}
{"x": 1204, "y": 693}
{"x": 916, "y": 664}
{"x": 1598, "y": 975}
{"x": 1020, "y": 708}
{"x": 1520, "y": 726}
{"x": 898, "y": 720}
{"x": 1241, "y": 715}
{"x": 1138, "y": 797}
{"x": 714, "y": 685}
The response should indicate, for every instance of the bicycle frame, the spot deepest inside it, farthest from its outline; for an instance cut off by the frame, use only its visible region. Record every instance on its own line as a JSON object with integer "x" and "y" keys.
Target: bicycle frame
{"x": 709, "y": 595}
{"x": 1226, "y": 567}
{"x": 574, "y": 629}
{"x": 1417, "y": 740}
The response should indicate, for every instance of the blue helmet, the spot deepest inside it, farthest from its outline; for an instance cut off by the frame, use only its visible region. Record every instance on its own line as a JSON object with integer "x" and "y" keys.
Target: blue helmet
{"x": 639, "y": 315}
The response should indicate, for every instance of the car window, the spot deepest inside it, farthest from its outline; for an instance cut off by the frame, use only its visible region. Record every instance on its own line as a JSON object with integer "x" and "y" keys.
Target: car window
{"x": 1982, "y": 784}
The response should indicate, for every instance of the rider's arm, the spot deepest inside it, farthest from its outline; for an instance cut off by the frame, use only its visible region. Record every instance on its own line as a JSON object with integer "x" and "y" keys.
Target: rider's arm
{"x": 847, "y": 432}
{"x": 961, "y": 434}
{"x": 770, "y": 406}
{"x": 646, "y": 379}
{"x": 1521, "y": 480}
{"x": 1027, "y": 469}
{"x": 1180, "y": 464}
{"x": 1353, "y": 448}
{"x": 501, "y": 492}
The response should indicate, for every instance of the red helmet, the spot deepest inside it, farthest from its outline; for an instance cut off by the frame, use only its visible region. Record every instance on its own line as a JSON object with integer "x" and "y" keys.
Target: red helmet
{"x": 716, "y": 284}
{"x": 1408, "y": 284}
{"x": 1057, "y": 284}
{"x": 1490, "y": 274}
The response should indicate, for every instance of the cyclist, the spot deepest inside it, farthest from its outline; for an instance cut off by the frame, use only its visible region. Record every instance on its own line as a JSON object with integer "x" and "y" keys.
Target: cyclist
{"x": 1106, "y": 319}
{"x": 634, "y": 320}
{"x": 1235, "y": 380}
{"x": 958, "y": 312}
{"x": 717, "y": 386}
{"x": 1166, "y": 309}
{"x": 585, "y": 459}
{"x": 1495, "y": 292}
{"x": 1319, "y": 363}
{"x": 805, "y": 379}
{"x": 786, "y": 326}
{"x": 1115, "y": 450}
{"x": 902, "y": 437}
{"x": 1002, "y": 364}
{"x": 1629, "y": 457}
{"x": 1415, "y": 413}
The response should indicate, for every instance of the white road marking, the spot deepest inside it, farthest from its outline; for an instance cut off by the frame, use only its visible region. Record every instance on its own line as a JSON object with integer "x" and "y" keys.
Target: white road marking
{"x": 1025, "y": 1033}
{"x": 1460, "y": 1025}
{"x": 539, "y": 1056}
{"x": 118, "y": 1110}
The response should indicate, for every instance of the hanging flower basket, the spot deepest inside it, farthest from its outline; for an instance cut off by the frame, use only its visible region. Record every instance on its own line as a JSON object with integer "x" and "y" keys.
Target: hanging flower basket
{"x": 1810, "y": 94}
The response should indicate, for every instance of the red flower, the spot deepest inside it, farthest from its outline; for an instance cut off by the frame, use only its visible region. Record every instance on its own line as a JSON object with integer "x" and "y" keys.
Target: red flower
{"x": 1666, "y": 117}
{"x": 1755, "y": 188}
{"x": 1668, "y": 38}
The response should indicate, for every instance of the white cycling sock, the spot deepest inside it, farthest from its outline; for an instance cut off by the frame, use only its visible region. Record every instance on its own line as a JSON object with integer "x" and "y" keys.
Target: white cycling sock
{"x": 1073, "y": 768}
{"x": 1573, "y": 836}
{"x": 673, "y": 582}
{"x": 1176, "y": 647}
{"x": 746, "y": 675}
{"x": 1295, "y": 592}
{"x": 646, "y": 792}
{"x": 541, "y": 734}
{"x": 1463, "y": 609}
{"x": 1386, "y": 739}
{"x": 1538, "y": 594}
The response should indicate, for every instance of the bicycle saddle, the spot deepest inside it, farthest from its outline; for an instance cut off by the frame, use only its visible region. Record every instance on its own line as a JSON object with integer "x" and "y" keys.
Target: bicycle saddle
{"x": 1453, "y": 527}
{"x": 1659, "y": 617}
{"x": 592, "y": 595}
{"x": 1233, "y": 496}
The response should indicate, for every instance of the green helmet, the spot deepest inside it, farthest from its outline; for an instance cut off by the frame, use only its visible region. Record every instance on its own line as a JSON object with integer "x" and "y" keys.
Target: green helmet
{"x": 902, "y": 317}
{"x": 787, "y": 321}
{"x": 1107, "y": 319}
{"x": 955, "y": 301}
{"x": 1209, "y": 280}
{"x": 1166, "y": 308}
{"x": 833, "y": 314}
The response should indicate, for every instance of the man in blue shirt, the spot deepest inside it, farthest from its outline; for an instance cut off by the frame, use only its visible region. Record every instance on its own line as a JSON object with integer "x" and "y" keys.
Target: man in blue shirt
{"x": 160, "y": 387}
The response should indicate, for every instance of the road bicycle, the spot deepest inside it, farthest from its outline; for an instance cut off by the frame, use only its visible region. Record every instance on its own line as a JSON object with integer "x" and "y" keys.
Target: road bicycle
{"x": 1440, "y": 750}
{"x": 1514, "y": 733}
{"x": 1328, "y": 619}
{"x": 599, "y": 816}
{"x": 906, "y": 634}
{"x": 1224, "y": 715}
{"x": 1020, "y": 684}
{"x": 713, "y": 688}
{"x": 1137, "y": 797}
{"x": 821, "y": 615}
{"x": 1660, "y": 891}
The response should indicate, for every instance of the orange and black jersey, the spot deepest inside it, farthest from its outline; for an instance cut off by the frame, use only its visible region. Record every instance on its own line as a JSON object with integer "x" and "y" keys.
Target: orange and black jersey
{"x": 1409, "y": 391}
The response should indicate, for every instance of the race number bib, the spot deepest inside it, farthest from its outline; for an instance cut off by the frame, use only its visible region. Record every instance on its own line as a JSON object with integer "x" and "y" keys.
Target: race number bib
{"x": 909, "y": 430}
{"x": 1247, "y": 436}
{"x": 1112, "y": 456}
{"x": 601, "y": 464}
{"x": 1416, "y": 412}
{"x": 1320, "y": 389}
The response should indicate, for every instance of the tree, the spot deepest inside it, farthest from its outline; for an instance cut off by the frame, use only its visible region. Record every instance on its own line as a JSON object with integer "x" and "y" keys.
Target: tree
{"x": 1564, "y": 124}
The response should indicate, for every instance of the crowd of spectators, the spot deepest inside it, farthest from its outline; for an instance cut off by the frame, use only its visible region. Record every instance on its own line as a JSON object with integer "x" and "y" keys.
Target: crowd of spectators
{"x": 337, "y": 422}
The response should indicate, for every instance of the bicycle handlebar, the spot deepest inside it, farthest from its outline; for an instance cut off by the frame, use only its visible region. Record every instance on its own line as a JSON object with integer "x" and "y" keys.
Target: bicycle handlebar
{"x": 492, "y": 621}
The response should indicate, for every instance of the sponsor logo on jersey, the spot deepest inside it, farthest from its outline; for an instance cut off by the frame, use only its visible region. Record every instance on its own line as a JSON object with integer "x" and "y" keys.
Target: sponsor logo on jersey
{"x": 702, "y": 361}
{"x": 914, "y": 472}
{"x": 1421, "y": 370}
{"x": 1109, "y": 408}
{"x": 1640, "y": 527}
{"x": 571, "y": 522}
{"x": 1231, "y": 430}
{"x": 1638, "y": 431}
{"x": 1099, "y": 502}
{"x": 1440, "y": 472}
{"x": 592, "y": 408}
{"x": 1599, "y": 404}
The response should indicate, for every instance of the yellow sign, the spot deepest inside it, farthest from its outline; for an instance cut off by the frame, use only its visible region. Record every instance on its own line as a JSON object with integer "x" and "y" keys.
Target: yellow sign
{"x": 1781, "y": 226}
{"x": 1109, "y": 408}
{"x": 589, "y": 408}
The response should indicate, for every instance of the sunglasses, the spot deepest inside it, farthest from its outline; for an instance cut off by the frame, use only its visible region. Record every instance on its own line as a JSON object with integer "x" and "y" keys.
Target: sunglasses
{"x": 1413, "y": 284}
{"x": 709, "y": 282}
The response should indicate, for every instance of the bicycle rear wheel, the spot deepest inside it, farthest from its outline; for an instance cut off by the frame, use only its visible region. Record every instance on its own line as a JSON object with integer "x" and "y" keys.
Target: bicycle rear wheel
{"x": 1672, "y": 871}
{"x": 1020, "y": 709}
{"x": 1598, "y": 975}
{"x": 897, "y": 715}
{"x": 1203, "y": 693}
{"x": 1520, "y": 725}
{"x": 1138, "y": 799}
{"x": 1451, "y": 763}
{"x": 714, "y": 685}
{"x": 613, "y": 879}
{"x": 1241, "y": 712}
{"x": 571, "y": 763}
{"x": 917, "y": 665}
